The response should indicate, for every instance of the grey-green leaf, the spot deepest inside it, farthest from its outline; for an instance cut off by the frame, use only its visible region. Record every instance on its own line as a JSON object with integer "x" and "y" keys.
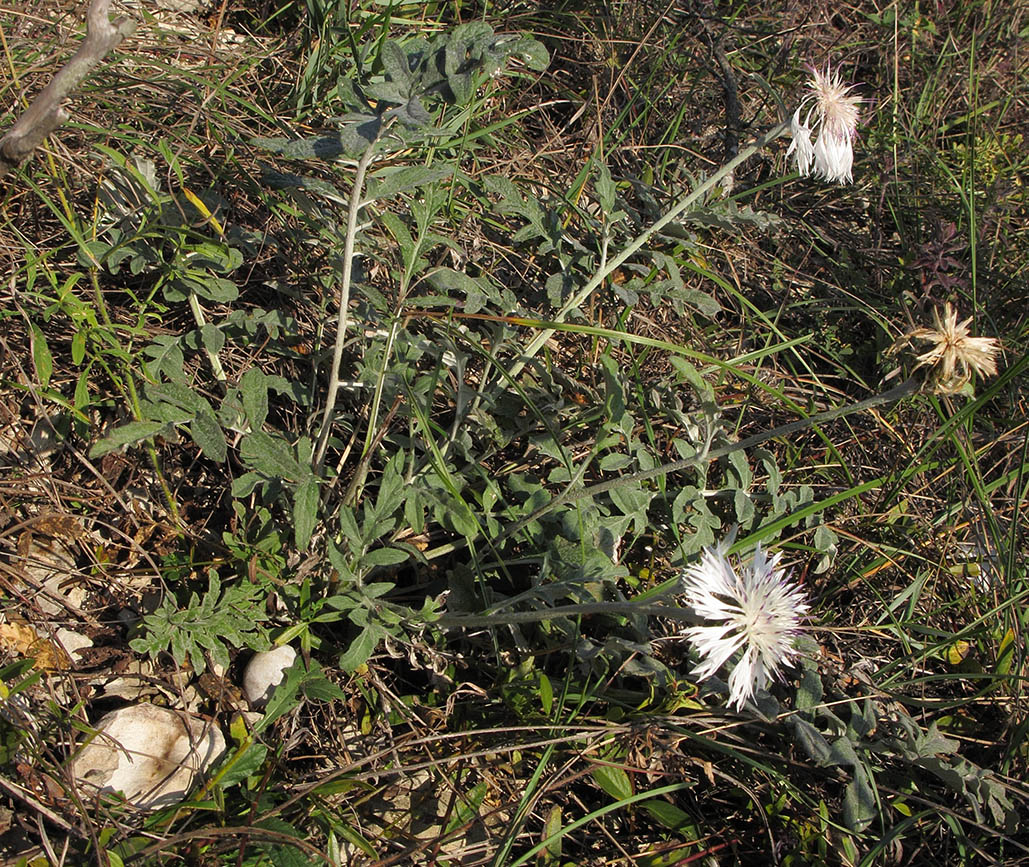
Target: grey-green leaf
{"x": 271, "y": 456}
{"x": 859, "y": 806}
{"x": 288, "y": 181}
{"x": 391, "y": 181}
{"x": 305, "y": 511}
{"x": 605, "y": 188}
{"x": 127, "y": 434}
{"x": 384, "y": 557}
{"x": 811, "y": 741}
{"x": 208, "y": 434}
{"x": 212, "y": 338}
{"x": 533, "y": 52}
{"x": 353, "y": 138}
{"x": 394, "y": 61}
{"x": 253, "y": 388}
{"x": 217, "y": 289}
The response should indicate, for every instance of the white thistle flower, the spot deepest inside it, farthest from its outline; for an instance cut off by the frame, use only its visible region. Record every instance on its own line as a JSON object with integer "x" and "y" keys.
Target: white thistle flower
{"x": 836, "y": 117}
{"x": 756, "y": 610}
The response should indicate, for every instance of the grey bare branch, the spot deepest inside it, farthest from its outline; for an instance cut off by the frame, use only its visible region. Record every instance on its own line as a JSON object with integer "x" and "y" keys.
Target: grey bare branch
{"x": 46, "y": 113}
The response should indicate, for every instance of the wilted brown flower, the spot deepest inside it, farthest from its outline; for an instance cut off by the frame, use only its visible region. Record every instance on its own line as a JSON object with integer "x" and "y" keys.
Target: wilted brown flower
{"x": 955, "y": 355}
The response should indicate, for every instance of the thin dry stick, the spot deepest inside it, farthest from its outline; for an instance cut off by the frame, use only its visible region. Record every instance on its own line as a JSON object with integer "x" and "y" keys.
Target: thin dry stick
{"x": 46, "y": 113}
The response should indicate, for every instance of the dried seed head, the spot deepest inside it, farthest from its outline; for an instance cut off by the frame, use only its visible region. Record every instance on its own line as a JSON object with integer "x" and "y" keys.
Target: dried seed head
{"x": 954, "y": 355}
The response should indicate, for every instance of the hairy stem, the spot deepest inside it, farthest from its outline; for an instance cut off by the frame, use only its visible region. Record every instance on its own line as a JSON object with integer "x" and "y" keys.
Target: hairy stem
{"x": 344, "y": 302}
{"x": 607, "y": 268}
{"x": 505, "y": 618}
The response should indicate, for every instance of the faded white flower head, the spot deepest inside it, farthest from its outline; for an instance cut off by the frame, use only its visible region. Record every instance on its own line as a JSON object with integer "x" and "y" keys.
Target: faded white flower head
{"x": 955, "y": 354}
{"x": 835, "y": 115}
{"x": 755, "y": 609}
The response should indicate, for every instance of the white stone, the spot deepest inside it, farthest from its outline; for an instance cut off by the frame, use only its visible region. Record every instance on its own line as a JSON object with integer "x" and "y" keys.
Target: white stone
{"x": 50, "y": 563}
{"x": 135, "y": 683}
{"x": 265, "y": 671}
{"x": 72, "y": 641}
{"x": 151, "y": 754}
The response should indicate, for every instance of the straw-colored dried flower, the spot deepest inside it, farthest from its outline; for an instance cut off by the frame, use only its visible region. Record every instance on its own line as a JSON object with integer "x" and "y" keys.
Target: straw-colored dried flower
{"x": 955, "y": 355}
{"x": 834, "y": 113}
{"x": 756, "y": 610}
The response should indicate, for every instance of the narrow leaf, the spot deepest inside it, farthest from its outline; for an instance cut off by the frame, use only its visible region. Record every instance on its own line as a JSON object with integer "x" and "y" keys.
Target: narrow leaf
{"x": 127, "y": 434}
{"x": 384, "y": 557}
{"x": 41, "y": 357}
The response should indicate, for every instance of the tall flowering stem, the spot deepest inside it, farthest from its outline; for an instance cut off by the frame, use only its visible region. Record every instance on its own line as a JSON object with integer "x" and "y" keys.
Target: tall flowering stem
{"x": 349, "y": 250}
{"x": 609, "y": 267}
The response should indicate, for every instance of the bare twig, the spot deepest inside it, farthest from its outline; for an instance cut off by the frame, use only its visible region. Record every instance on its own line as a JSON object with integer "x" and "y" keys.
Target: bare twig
{"x": 46, "y": 112}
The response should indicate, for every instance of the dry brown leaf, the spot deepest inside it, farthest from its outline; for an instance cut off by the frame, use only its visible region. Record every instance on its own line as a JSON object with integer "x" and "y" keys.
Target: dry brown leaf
{"x": 57, "y": 525}
{"x": 21, "y": 639}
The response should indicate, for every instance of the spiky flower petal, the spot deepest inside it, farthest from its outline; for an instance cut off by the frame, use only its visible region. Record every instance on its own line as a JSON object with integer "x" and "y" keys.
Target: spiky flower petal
{"x": 801, "y": 144}
{"x": 756, "y": 610}
{"x": 836, "y": 116}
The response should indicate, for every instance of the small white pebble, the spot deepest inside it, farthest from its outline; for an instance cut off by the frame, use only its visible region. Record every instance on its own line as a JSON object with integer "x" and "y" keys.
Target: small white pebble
{"x": 265, "y": 671}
